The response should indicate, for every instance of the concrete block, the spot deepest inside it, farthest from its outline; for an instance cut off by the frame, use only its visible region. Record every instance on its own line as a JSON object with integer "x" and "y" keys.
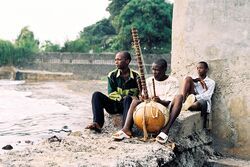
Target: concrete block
{"x": 227, "y": 162}
{"x": 7, "y": 72}
{"x": 117, "y": 120}
{"x": 187, "y": 123}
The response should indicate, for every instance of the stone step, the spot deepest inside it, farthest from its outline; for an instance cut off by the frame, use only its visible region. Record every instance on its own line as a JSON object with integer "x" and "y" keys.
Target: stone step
{"x": 228, "y": 162}
{"x": 12, "y": 73}
{"x": 42, "y": 75}
{"x": 187, "y": 123}
{"x": 7, "y": 72}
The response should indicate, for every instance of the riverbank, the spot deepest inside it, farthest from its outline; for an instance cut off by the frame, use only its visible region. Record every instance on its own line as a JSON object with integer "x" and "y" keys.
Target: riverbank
{"x": 47, "y": 129}
{"x": 33, "y": 111}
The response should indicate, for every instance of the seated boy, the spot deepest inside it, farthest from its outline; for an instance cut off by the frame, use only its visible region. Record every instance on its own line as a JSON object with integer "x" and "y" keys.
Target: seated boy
{"x": 198, "y": 90}
{"x": 166, "y": 88}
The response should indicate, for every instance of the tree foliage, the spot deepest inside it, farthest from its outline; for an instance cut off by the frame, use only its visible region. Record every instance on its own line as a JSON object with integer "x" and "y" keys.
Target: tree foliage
{"x": 152, "y": 18}
{"x": 26, "y": 40}
{"x": 115, "y": 7}
{"x": 99, "y": 29}
{"x": 24, "y": 47}
{"x": 93, "y": 38}
{"x": 7, "y": 51}
{"x": 78, "y": 45}
{"x": 99, "y": 35}
{"x": 48, "y": 46}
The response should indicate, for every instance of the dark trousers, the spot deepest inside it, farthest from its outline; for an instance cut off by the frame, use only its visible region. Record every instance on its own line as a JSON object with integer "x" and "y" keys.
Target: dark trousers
{"x": 204, "y": 114}
{"x": 101, "y": 102}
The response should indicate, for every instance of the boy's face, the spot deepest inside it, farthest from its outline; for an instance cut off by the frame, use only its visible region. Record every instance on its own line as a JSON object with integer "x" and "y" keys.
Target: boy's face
{"x": 201, "y": 69}
{"x": 158, "y": 71}
{"x": 120, "y": 61}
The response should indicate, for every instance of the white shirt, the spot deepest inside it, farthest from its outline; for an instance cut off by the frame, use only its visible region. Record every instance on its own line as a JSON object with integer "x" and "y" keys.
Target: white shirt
{"x": 202, "y": 93}
{"x": 165, "y": 90}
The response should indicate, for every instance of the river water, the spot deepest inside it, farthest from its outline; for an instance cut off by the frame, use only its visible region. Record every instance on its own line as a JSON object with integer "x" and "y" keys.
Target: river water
{"x": 30, "y": 112}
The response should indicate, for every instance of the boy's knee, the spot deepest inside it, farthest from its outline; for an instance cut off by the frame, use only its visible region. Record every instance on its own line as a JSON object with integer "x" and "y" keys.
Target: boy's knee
{"x": 96, "y": 95}
{"x": 179, "y": 97}
{"x": 136, "y": 101}
{"x": 188, "y": 78}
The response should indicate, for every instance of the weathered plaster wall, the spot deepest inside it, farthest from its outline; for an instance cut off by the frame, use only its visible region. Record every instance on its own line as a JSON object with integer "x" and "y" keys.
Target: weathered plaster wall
{"x": 218, "y": 31}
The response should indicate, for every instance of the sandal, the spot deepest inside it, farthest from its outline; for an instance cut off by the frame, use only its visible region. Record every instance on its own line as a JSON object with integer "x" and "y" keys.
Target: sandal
{"x": 94, "y": 126}
{"x": 162, "y": 138}
{"x": 120, "y": 135}
{"x": 188, "y": 103}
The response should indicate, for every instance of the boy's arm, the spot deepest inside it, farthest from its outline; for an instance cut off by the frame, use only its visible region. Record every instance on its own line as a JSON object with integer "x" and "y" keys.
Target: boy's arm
{"x": 207, "y": 94}
{"x": 163, "y": 102}
{"x": 112, "y": 90}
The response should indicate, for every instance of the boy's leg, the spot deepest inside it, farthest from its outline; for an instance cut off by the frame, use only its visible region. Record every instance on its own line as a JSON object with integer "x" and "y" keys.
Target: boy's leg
{"x": 188, "y": 87}
{"x": 126, "y": 104}
{"x": 129, "y": 119}
{"x": 175, "y": 110}
{"x": 201, "y": 105}
{"x": 99, "y": 103}
{"x": 195, "y": 106}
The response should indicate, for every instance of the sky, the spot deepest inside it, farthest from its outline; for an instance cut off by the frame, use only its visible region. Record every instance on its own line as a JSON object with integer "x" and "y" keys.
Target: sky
{"x": 54, "y": 20}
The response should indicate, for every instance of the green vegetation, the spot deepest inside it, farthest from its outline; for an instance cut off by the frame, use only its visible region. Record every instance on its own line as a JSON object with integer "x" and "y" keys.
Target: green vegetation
{"x": 7, "y": 50}
{"x": 152, "y": 18}
{"x": 24, "y": 47}
{"x": 48, "y": 46}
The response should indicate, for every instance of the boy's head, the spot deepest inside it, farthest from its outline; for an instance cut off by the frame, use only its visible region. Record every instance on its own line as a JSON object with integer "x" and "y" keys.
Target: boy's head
{"x": 159, "y": 68}
{"x": 202, "y": 68}
{"x": 122, "y": 59}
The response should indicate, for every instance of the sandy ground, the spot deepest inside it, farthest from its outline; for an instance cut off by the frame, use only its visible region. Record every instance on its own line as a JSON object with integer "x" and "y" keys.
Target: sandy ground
{"x": 87, "y": 149}
{"x": 80, "y": 147}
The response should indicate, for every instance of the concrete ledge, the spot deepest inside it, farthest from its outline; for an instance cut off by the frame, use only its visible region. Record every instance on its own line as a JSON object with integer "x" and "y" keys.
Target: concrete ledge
{"x": 12, "y": 73}
{"x": 42, "y": 75}
{"x": 228, "y": 162}
{"x": 7, "y": 72}
{"x": 187, "y": 123}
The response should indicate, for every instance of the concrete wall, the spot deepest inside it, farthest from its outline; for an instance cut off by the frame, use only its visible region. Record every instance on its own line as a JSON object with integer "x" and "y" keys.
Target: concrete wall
{"x": 84, "y": 66}
{"x": 218, "y": 31}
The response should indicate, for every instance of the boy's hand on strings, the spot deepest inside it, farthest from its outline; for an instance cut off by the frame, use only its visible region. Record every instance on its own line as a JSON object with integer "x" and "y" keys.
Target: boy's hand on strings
{"x": 142, "y": 97}
{"x": 156, "y": 99}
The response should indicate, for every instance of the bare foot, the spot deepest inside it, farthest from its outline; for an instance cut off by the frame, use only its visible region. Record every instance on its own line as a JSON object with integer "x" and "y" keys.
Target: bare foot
{"x": 95, "y": 127}
{"x": 128, "y": 132}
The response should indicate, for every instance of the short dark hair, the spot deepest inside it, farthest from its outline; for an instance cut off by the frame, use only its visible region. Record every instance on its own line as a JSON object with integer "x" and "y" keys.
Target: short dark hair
{"x": 161, "y": 62}
{"x": 127, "y": 55}
{"x": 204, "y": 63}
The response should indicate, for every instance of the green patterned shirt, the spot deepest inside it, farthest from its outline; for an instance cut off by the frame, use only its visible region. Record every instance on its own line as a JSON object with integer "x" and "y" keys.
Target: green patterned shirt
{"x": 118, "y": 87}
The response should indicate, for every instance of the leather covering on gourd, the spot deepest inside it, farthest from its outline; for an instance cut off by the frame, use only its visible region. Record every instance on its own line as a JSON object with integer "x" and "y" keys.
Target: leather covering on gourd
{"x": 155, "y": 114}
